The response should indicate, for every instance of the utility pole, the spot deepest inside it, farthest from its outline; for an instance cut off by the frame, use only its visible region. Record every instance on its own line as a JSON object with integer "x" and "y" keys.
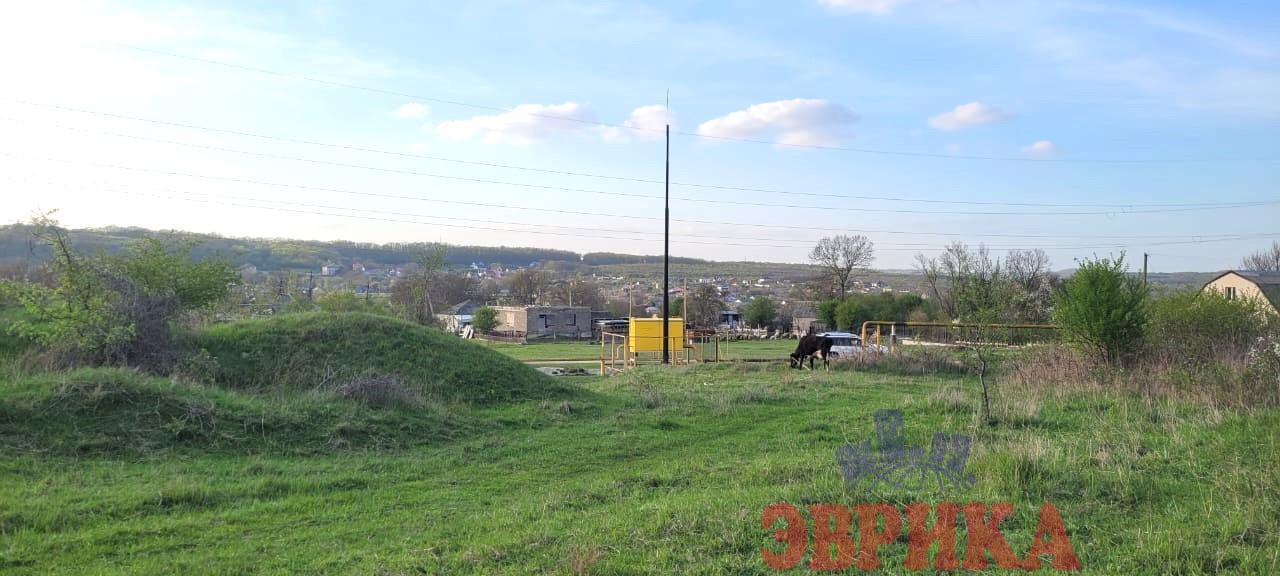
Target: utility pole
{"x": 1144, "y": 268}
{"x": 666, "y": 260}
{"x": 684, "y": 303}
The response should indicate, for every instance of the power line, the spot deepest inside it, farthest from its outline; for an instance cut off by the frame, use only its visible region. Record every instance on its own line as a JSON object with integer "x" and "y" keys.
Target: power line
{"x": 800, "y": 242}
{"x": 166, "y": 172}
{"x": 1222, "y": 206}
{"x": 602, "y": 176}
{"x": 585, "y": 121}
{"x": 794, "y": 243}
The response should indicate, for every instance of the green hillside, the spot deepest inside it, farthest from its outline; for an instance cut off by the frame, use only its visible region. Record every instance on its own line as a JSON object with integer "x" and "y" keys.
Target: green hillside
{"x": 299, "y": 384}
{"x": 300, "y": 352}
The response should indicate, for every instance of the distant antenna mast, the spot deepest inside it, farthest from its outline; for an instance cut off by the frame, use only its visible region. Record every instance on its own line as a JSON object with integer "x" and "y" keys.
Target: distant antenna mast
{"x": 666, "y": 248}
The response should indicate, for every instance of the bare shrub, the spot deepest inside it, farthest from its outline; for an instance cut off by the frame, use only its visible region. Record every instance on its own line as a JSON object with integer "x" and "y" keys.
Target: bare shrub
{"x": 1264, "y": 365}
{"x": 914, "y": 361}
{"x": 378, "y": 391}
{"x": 55, "y": 358}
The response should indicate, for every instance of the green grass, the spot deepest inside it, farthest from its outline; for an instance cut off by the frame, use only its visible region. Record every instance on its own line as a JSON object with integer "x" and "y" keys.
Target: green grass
{"x": 569, "y": 350}
{"x": 121, "y": 413}
{"x": 757, "y": 349}
{"x": 546, "y": 351}
{"x": 653, "y": 472}
{"x": 304, "y": 351}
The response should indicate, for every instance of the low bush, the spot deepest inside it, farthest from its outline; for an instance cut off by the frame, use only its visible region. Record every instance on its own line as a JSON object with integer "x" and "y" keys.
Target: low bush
{"x": 1196, "y": 328}
{"x": 1252, "y": 382}
{"x": 1102, "y": 310}
{"x": 119, "y": 309}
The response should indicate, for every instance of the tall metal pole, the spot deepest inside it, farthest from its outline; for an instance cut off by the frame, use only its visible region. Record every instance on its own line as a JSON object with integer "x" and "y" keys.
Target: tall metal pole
{"x": 666, "y": 260}
{"x": 1144, "y": 268}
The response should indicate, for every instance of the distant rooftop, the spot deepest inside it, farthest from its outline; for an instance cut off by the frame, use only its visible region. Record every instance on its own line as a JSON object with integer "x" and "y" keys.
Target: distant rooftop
{"x": 1260, "y": 277}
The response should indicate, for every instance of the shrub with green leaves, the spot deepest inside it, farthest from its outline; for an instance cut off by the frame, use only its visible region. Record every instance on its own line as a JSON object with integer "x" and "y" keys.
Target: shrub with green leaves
{"x": 117, "y": 309}
{"x": 851, "y": 312}
{"x": 1102, "y": 309}
{"x": 759, "y": 312}
{"x": 484, "y": 319}
{"x": 1194, "y": 327}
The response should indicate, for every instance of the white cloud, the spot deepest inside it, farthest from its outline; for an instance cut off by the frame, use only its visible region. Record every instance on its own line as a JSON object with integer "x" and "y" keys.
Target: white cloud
{"x": 1041, "y": 149}
{"x": 524, "y": 124}
{"x": 647, "y": 122}
{"x": 968, "y": 115}
{"x": 800, "y": 121}
{"x": 865, "y": 6}
{"x": 412, "y": 110}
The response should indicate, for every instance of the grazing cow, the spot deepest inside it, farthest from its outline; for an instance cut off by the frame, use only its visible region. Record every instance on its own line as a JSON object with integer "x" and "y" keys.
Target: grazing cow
{"x": 809, "y": 347}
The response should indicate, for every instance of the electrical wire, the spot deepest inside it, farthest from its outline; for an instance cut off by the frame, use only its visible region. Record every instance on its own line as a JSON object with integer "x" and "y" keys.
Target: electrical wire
{"x": 859, "y": 209}
{"x": 770, "y": 242}
{"x": 593, "y": 175}
{"x": 166, "y": 172}
{"x": 873, "y": 151}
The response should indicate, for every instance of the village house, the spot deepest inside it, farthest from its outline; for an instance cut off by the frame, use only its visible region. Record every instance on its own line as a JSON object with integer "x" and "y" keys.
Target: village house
{"x": 803, "y": 317}
{"x": 1263, "y": 287}
{"x": 457, "y": 316}
{"x": 545, "y": 321}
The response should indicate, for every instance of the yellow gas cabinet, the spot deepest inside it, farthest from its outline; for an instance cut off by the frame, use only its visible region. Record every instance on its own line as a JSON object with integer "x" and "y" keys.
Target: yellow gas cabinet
{"x": 645, "y": 335}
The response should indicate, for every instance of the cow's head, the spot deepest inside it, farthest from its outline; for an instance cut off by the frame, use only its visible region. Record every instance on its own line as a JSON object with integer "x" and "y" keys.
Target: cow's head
{"x": 797, "y": 360}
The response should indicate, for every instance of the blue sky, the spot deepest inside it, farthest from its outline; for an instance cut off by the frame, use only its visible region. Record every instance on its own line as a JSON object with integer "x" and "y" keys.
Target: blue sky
{"x": 1187, "y": 95}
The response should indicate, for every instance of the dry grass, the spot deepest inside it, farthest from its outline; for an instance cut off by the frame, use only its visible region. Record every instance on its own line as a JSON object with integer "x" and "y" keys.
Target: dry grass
{"x": 378, "y": 391}
{"x": 581, "y": 559}
{"x": 918, "y": 361}
{"x": 1228, "y": 382}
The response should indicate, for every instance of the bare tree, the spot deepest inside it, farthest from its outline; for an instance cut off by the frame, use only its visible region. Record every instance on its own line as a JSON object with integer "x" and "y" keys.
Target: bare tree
{"x": 451, "y": 288}
{"x": 704, "y": 306}
{"x": 1032, "y": 283}
{"x": 944, "y": 275}
{"x": 412, "y": 295}
{"x": 528, "y": 286}
{"x": 839, "y": 256}
{"x": 578, "y": 292}
{"x": 1263, "y": 260}
{"x": 1029, "y": 269}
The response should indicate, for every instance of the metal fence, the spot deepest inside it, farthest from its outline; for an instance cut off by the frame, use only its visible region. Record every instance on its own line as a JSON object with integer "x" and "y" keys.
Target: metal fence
{"x": 616, "y": 352}
{"x": 891, "y": 334}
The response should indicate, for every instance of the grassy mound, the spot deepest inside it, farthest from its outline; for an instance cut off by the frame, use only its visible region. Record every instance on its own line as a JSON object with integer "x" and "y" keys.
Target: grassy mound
{"x": 323, "y": 350}
{"x": 108, "y": 411}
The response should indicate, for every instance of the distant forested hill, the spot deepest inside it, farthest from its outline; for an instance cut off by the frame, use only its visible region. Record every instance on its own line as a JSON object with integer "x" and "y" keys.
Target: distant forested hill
{"x": 283, "y": 254}
{"x": 276, "y": 254}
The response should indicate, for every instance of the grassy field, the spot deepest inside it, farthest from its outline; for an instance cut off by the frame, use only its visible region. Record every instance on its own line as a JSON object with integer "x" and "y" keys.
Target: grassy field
{"x": 657, "y": 471}
{"x": 569, "y": 350}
